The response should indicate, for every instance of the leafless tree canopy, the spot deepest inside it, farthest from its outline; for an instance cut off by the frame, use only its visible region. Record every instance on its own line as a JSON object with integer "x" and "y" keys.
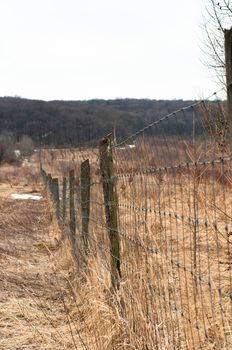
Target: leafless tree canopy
{"x": 217, "y": 18}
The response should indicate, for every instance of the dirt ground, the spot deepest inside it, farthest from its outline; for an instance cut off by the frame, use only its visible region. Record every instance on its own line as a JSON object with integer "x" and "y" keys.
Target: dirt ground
{"x": 34, "y": 307}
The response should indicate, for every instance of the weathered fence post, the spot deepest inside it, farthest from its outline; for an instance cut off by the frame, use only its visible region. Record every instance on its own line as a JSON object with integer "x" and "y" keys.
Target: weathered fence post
{"x": 85, "y": 201}
{"x": 72, "y": 222}
{"x": 228, "y": 62}
{"x": 111, "y": 203}
{"x": 64, "y": 199}
{"x": 43, "y": 174}
{"x": 72, "y": 217}
{"x": 50, "y": 182}
{"x": 56, "y": 196}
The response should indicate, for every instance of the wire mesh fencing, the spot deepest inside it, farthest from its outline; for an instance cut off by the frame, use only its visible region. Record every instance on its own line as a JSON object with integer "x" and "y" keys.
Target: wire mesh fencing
{"x": 155, "y": 210}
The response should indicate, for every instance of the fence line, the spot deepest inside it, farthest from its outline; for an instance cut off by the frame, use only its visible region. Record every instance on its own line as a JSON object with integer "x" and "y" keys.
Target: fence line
{"x": 157, "y": 215}
{"x": 145, "y": 250}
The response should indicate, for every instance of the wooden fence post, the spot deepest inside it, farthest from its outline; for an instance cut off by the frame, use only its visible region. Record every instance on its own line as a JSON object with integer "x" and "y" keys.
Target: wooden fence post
{"x": 56, "y": 196}
{"x": 64, "y": 199}
{"x": 43, "y": 174}
{"x": 72, "y": 222}
{"x": 85, "y": 201}
{"x": 50, "y": 182}
{"x": 228, "y": 62}
{"x": 46, "y": 180}
{"x": 111, "y": 203}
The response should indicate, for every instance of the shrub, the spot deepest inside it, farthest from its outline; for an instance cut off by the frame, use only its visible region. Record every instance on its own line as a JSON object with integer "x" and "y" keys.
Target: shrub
{"x": 26, "y": 145}
{"x": 7, "y": 145}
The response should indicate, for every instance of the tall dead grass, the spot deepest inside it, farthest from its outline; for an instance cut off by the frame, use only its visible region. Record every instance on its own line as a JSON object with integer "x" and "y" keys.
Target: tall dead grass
{"x": 175, "y": 230}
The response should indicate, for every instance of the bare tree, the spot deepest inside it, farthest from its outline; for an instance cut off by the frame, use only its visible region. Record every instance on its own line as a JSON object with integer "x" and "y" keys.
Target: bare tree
{"x": 217, "y": 18}
{"x": 7, "y": 147}
{"x": 26, "y": 145}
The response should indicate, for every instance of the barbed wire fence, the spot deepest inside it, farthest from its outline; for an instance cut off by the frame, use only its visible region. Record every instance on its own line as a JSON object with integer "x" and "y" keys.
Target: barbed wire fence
{"x": 161, "y": 223}
{"x": 156, "y": 210}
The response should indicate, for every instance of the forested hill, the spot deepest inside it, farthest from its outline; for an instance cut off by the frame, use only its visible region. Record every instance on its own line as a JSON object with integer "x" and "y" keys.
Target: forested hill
{"x": 77, "y": 122}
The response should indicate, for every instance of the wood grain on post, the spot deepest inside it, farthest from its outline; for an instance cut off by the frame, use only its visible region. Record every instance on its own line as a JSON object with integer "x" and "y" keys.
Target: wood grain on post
{"x": 64, "y": 199}
{"x": 56, "y": 196}
{"x": 111, "y": 204}
{"x": 50, "y": 182}
{"x": 72, "y": 222}
{"x": 85, "y": 201}
{"x": 43, "y": 174}
{"x": 228, "y": 61}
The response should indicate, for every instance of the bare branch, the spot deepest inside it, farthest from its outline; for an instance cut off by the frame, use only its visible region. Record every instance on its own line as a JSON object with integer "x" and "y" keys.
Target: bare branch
{"x": 218, "y": 17}
{"x": 228, "y": 6}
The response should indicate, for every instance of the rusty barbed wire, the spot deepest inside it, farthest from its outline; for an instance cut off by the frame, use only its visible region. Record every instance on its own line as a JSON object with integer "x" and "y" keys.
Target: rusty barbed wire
{"x": 174, "y": 224}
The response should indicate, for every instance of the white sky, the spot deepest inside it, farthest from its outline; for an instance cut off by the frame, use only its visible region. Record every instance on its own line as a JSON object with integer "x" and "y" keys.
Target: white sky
{"x": 83, "y": 49}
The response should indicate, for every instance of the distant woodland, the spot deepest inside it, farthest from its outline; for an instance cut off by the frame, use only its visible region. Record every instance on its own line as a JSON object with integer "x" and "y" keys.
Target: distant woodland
{"x": 77, "y": 123}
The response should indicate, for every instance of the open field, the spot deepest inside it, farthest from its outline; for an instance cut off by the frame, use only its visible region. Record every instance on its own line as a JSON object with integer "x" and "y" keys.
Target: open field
{"x": 137, "y": 251}
{"x": 175, "y": 240}
{"x": 34, "y": 292}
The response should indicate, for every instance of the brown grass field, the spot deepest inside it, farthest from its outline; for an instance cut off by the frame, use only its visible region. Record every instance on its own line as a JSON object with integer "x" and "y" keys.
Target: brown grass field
{"x": 175, "y": 230}
{"x": 175, "y": 238}
{"x": 35, "y": 300}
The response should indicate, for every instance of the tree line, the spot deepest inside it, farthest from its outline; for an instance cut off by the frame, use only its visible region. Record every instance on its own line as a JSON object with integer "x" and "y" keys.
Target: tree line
{"x": 81, "y": 123}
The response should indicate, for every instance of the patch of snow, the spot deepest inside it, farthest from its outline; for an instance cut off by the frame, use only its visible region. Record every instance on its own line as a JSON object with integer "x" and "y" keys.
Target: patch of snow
{"x": 17, "y": 153}
{"x": 26, "y": 196}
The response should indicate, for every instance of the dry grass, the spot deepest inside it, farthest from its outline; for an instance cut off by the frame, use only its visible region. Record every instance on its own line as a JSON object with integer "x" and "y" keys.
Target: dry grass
{"x": 175, "y": 290}
{"x": 35, "y": 300}
{"x": 178, "y": 293}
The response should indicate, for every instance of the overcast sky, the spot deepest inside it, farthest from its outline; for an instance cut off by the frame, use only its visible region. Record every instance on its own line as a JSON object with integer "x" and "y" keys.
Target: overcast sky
{"x": 84, "y": 49}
